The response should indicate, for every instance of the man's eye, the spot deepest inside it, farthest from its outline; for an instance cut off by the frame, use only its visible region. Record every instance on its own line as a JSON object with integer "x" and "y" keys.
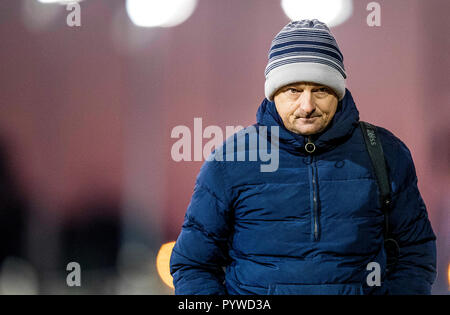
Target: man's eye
{"x": 292, "y": 90}
{"x": 323, "y": 90}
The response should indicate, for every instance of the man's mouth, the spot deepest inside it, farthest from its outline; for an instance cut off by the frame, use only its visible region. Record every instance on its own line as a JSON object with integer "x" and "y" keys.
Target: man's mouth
{"x": 310, "y": 119}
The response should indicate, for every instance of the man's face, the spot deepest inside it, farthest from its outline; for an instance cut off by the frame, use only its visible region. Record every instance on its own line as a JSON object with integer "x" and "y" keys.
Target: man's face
{"x": 306, "y": 108}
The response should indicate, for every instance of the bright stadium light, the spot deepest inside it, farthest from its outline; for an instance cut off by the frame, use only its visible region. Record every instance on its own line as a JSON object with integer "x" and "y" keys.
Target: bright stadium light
{"x": 158, "y": 13}
{"x": 448, "y": 274}
{"x": 331, "y": 12}
{"x": 59, "y": 1}
{"x": 163, "y": 263}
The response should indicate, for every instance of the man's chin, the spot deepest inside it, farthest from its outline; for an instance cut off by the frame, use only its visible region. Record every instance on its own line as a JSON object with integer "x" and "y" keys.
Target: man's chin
{"x": 306, "y": 130}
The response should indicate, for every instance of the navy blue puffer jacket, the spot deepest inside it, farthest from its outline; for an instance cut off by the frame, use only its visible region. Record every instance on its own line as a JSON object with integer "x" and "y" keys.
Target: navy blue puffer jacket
{"x": 312, "y": 226}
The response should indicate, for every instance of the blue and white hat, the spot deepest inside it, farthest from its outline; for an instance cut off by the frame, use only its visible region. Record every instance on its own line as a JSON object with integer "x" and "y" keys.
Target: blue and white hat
{"x": 305, "y": 51}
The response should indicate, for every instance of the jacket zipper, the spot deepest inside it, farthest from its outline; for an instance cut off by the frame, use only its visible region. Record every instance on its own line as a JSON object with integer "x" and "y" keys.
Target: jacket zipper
{"x": 316, "y": 224}
{"x": 315, "y": 212}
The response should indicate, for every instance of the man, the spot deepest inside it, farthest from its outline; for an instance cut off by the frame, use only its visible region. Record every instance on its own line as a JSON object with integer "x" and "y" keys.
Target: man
{"x": 314, "y": 225}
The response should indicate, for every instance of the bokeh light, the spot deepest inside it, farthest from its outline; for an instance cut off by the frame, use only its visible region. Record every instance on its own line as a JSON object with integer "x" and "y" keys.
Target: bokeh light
{"x": 448, "y": 273}
{"x": 162, "y": 263}
{"x": 156, "y": 13}
{"x": 331, "y": 12}
{"x": 59, "y": 1}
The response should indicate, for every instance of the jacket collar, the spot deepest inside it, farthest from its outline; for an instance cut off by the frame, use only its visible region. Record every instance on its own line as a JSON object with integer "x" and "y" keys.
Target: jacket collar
{"x": 340, "y": 128}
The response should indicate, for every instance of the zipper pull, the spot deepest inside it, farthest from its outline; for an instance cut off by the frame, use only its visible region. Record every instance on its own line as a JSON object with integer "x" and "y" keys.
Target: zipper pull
{"x": 310, "y": 147}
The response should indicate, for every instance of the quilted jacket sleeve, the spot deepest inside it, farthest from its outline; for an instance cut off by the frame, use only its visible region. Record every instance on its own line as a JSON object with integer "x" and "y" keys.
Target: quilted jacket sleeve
{"x": 415, "y": 270}
{"x": 201, "y": 248}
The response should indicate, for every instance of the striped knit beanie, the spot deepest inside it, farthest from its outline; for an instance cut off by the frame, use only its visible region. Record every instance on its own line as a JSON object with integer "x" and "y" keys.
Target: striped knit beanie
{"x": 305, "y": 51}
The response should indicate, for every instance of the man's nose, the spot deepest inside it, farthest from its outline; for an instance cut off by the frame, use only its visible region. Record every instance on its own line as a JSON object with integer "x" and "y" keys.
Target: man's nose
{"x": 307, "y": 106}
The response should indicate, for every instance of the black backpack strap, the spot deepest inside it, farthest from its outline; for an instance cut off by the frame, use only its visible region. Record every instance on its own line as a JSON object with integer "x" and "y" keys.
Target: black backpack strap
{"x": 375, "y": 150}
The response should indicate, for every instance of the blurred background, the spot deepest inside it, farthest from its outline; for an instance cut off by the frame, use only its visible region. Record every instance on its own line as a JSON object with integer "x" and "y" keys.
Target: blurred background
{"x": 86, "y": 115}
